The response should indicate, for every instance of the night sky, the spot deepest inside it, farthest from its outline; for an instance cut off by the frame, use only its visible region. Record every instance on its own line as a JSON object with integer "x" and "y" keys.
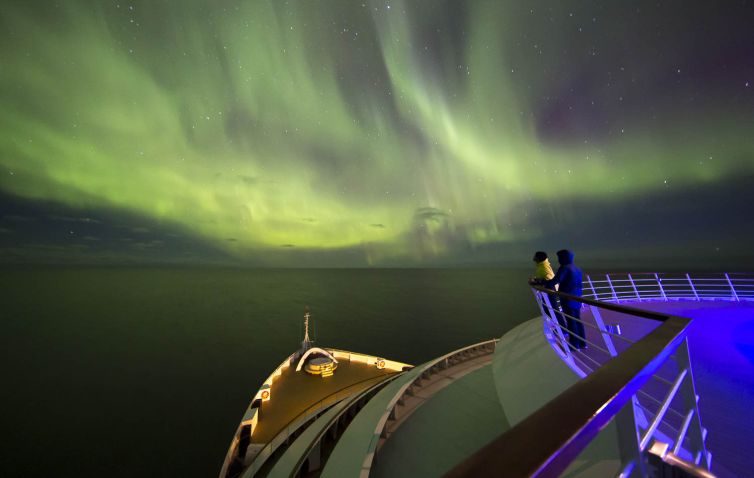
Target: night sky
{"x": 350, "y": 133}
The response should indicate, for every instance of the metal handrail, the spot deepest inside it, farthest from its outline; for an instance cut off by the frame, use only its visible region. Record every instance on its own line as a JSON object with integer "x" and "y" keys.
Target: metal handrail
{"x": 660, "y": 451}
{"x": 652, "y": 286}
{"x": 583, "y": 364}
{"x": 568, "y": 423}
{"x": 663, "y": 410}
{"x": 577, "y": 360}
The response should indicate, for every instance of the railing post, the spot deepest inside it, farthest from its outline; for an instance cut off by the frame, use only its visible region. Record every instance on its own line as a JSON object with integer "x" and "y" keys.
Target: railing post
{"x": 543, "y": 300}
{"x": 662, "y": 291}
{"x": 732, "y": 289}
{"x": 636, "y": 291}
{"x": 693, "y": 289}
{"x": 556, "y": 323}
{"x": 594, "y": 291}
{"x": 688, "y": 395}
{"x": 538, "y": 298}
{"x": 615, "y": 296}
{"x": 601, "y": 325}
{"x": 631, "y": 457}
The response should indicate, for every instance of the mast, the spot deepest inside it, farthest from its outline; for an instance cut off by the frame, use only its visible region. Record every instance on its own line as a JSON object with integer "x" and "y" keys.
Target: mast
{"x": 307, "y": 343}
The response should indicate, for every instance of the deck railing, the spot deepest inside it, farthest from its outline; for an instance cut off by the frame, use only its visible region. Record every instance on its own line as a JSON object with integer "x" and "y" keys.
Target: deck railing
{"x": 641, "y": 381}
{"x": 660, "y": 411}
{"x": 641, "y": 286}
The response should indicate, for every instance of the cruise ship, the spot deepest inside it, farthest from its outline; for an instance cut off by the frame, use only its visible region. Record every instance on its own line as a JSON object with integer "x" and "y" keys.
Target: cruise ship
{"x": 666, "y": 381}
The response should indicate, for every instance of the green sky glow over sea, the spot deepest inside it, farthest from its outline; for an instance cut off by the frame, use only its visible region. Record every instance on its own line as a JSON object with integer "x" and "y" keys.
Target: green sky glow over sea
{"x": 372, "y": 133}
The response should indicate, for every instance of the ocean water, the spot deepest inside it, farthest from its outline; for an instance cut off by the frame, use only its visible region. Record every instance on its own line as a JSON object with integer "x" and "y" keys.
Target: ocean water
{"x": 126, "y": 372}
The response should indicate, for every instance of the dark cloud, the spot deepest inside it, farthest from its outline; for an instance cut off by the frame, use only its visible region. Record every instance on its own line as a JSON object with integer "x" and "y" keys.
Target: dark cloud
{"x": 429, "y": 214}
{"x": 44, "y": 232}
{"x": 87, "y": 220}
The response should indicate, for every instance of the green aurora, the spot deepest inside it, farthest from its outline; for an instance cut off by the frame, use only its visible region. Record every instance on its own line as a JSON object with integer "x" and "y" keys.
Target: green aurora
{"x": 403, "y": 131}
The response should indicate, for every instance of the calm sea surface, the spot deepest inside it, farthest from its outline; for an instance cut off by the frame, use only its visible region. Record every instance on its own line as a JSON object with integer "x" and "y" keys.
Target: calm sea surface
{"x": 136, "y": 372}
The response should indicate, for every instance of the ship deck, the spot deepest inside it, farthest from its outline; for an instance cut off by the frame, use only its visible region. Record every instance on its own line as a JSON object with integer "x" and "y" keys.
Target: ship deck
{"x": 297, "y": 394}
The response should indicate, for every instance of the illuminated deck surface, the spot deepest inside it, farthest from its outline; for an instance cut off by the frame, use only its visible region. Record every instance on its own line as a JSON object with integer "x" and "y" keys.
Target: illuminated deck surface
{"x": 293, "y": 393}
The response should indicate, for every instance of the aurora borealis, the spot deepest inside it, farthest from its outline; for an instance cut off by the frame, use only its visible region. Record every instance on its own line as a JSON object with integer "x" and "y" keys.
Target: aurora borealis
{"x": 374, "y": 133}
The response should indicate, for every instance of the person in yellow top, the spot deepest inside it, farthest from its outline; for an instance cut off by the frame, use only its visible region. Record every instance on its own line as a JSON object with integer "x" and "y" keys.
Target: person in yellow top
{"x": 544, "y": 269}
{"x": 544, "y": 273}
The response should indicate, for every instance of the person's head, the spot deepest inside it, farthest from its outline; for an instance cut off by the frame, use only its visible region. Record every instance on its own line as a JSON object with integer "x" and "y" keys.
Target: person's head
{"x": 539, "y": 256}
{"x": 565, "y": 257}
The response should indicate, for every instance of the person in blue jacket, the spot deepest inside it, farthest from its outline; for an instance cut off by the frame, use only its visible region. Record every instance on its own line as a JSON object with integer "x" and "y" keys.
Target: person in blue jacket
{"x": 568, "y": 278}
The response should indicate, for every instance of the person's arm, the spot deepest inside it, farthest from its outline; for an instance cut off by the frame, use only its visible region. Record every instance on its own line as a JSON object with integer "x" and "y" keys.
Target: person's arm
{"x": 550, "y": 284}
{"x": 537, "y": 277}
